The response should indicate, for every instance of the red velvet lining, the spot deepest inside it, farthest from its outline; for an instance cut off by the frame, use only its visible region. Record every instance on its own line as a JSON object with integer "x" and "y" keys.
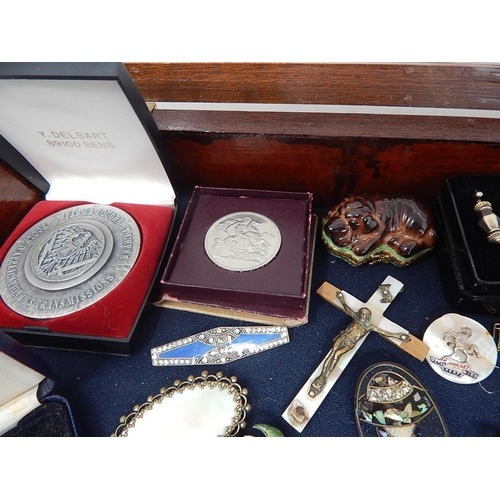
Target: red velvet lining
{"x": 115, "y": 314}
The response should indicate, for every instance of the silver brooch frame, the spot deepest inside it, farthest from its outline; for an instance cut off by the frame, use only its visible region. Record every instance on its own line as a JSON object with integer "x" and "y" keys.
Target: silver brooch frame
{"x": 205, "y": 380}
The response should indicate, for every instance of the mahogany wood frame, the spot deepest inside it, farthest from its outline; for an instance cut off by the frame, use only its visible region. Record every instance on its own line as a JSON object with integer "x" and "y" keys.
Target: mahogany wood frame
{"x": 331, "y": 155}
{"x": 17, "y": 197}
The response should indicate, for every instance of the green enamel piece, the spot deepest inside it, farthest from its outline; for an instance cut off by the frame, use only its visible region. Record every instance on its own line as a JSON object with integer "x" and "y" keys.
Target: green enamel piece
{"x": 268, "y": 430}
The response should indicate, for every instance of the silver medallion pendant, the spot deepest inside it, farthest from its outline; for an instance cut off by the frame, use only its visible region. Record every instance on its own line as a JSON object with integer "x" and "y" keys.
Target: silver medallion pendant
{"x": 242, "y": 241}
{"x": 69, "y": 260}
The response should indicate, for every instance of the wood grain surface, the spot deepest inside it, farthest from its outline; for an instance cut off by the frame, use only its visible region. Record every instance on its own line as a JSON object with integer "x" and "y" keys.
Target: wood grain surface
{"x": 17, "y": 197}
{"x": 330, "y": 154}
{"x": 419, "y": 85}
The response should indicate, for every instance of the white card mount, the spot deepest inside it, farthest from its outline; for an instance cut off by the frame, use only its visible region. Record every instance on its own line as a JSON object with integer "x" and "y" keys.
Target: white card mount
{"x": 86, "y": 129}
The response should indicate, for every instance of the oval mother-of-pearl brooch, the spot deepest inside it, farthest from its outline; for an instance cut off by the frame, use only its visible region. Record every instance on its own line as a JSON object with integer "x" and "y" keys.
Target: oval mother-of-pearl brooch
{"x": 204, "y": 406}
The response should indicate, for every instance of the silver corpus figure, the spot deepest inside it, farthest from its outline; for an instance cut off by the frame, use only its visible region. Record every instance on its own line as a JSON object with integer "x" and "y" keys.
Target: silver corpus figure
{"x": 347, "y": 339}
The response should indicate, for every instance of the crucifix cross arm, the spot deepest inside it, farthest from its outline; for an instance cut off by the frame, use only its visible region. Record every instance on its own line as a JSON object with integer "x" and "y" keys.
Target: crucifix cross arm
{"x": 404, "y": 337}
{"x": 404, "y": 340}
{"x": 362, "y": 318}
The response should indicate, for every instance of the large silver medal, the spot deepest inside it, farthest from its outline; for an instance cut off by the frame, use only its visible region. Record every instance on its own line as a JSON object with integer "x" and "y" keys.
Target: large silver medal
{"x": 242, "y": 241}
{"x": 69, "y": 260}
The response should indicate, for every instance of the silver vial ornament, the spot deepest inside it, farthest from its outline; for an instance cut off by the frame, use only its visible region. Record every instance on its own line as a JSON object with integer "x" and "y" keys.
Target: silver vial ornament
{"x": 488, "y": 221}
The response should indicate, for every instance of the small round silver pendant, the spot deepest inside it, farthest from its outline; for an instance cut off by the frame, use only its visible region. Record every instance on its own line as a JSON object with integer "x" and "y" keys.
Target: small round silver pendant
{"x": 242, "y": 241}
{"x": 69, "y": 260}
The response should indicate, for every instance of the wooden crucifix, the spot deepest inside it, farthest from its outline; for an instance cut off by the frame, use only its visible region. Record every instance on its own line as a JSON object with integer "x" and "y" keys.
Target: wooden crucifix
{"x": 366, "y": 317}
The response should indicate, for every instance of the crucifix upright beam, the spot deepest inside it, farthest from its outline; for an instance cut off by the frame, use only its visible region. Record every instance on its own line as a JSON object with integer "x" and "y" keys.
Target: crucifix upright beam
{"x": 366, "y": 317}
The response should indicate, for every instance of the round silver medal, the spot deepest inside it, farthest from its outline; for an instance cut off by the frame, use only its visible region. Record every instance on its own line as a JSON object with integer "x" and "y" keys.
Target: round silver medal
{"x": 69, "y": 260}
{"x": 242, "y": 241}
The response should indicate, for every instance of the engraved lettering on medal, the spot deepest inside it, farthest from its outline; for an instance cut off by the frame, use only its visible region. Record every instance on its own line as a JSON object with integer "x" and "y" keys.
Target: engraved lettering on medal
{"x": 33, "y": 234}
{"x": 110, "y": 215}
{"x": 69, "y": 260}
{"x": 78, "y": 212}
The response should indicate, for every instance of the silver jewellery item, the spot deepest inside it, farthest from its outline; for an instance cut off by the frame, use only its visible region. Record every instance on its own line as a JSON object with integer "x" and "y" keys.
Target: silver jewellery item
{"x": 69, "y": 260}
{"x": 366, "y": 317}
{"x": 347, "y": 340}
{"x": 242, "y": 241}
{"x": 488, "y": 221}
{"x": 219, "y": 345}
{"x": 496, "y": 333}
{"x": 208, "y": 405}
{"x": 461, "y": 350}
{"x": 386, "y": 294}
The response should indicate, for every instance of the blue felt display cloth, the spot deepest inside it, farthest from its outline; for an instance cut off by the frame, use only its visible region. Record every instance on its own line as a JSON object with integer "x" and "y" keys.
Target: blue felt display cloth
{"x": 101, "y": 388}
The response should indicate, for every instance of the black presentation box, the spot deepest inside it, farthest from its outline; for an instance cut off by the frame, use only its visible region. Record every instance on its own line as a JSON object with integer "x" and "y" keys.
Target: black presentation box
{"x": 469, "y": 263}
{"x": 82, "y": 134}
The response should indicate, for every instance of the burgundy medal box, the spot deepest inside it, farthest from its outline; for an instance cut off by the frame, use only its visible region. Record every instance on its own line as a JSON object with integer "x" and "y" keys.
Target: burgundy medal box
{"x": 278, "y": 289}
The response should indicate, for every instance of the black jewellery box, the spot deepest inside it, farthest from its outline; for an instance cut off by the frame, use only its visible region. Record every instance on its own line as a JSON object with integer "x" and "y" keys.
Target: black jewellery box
{"x": 84, "y": 135}
{"x": 28, "y": 405}
{"x": 470, "y": 264}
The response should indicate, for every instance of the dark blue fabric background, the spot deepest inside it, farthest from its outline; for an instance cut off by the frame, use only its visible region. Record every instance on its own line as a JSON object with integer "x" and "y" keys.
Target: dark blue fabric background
{"x": 101, "y": 388}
